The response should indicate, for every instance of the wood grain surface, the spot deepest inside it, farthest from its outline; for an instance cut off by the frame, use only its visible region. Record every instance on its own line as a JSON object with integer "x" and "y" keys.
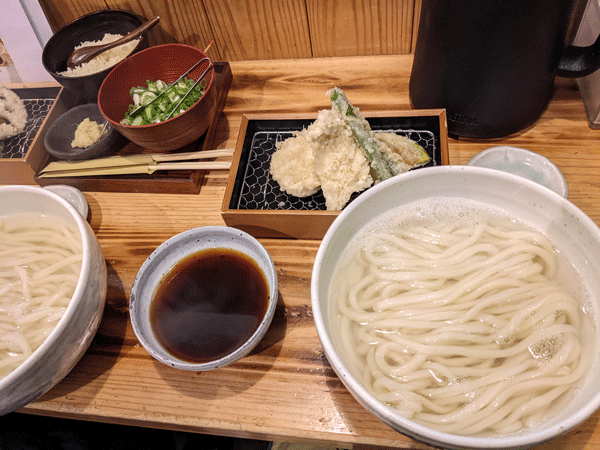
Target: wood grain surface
{"x": 357, "y": 27}
{"x": 266, "y": 29}
{"x": 284, "y": 390}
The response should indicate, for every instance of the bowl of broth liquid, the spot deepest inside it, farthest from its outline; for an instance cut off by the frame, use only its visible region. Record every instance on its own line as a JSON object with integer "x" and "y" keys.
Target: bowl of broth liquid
{"x": 204, "y": 298}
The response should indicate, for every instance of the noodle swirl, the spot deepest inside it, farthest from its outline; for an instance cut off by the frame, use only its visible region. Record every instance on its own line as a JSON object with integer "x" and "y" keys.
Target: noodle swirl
{"x": 462, "y": 328}
{"x": 40, "y": 262}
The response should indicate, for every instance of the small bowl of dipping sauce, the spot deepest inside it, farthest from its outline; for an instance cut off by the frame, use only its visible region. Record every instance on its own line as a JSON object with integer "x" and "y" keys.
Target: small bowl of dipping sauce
{"x": 204, "y": 298}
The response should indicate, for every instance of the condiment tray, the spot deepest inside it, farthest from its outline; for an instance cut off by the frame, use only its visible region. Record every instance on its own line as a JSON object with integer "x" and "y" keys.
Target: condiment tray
{"x": 171, "y": 181}
{"x": 254, "y": 202}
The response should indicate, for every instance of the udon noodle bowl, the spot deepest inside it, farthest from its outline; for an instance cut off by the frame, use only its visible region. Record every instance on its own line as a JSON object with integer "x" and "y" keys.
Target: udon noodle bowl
{"x": 40, "y": 263}
{"x": 461, "y": 318}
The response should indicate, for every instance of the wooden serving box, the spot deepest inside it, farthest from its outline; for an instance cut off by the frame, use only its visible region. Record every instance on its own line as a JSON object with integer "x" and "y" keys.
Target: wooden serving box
{"x": 21, "y": 155}
{"x": 173, "y": 182}
{"x": 253, "y": 201}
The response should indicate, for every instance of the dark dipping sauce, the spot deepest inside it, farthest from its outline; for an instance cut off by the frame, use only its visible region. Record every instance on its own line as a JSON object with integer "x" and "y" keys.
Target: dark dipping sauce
{"x": 209, "y": 304}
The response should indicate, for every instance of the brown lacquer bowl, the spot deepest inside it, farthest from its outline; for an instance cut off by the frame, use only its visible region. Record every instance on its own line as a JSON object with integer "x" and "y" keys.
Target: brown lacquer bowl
{"x": 167, "y": 63}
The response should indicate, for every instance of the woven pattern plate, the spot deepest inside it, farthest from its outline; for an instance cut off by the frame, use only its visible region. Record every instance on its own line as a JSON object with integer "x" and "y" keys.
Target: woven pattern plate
{"x": 255, "y": 203}
{"x": 260, "y": 191}
{"x": 38, "y": 102}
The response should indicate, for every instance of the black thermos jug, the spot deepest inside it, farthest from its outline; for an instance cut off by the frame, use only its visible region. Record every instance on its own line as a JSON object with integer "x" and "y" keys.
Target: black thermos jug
{"x": 491, "y": 63}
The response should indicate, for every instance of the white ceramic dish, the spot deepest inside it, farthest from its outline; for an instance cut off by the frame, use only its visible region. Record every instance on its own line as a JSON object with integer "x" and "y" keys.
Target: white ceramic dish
{"x": 572, "y": 232}
{"x": 67, "y": 343}
{"x": 72, "y": 195}
{"x": 525, "y": 163}
{"x": 165, "y": 257}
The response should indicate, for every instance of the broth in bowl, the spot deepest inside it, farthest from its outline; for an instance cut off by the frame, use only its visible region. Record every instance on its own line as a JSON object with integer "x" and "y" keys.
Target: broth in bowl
{"x": 204, "y": 298}
{"x": 218, "y": 296}
{"x": 433, "y": 325}
{"x": 46, "y": 246}
{"x": 40, "y": 263}
{"x": 455, "y": 316}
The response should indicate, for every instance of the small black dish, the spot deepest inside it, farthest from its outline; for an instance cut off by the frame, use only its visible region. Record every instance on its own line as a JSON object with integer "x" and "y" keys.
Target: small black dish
{"x": 91, "y": 27}
{"x": 59, "y": 136}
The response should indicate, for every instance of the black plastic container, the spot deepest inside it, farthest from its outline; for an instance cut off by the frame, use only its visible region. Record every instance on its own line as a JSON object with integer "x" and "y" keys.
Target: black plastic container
{"x": 492, "y": 63}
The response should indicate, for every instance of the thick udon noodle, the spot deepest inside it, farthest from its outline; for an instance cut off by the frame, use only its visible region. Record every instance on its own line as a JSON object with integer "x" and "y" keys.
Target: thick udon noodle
{"x": 462, "y": 328}
{"x": 40, "y": 262}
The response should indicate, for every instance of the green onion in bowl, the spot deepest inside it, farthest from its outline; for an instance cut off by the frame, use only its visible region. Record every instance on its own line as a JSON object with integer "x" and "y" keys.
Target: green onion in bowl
{"x": 157, "y": 111}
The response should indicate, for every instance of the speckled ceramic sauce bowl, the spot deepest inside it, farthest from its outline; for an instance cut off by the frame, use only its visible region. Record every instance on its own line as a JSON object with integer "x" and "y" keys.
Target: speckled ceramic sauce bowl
{"x": 572, "y": 233}
{"x": 69, "y": 340}
{"x": 165, "y": 258}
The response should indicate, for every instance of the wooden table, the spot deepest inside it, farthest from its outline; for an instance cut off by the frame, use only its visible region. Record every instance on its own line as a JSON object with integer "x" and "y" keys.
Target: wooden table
{"x": 285, "y": 390}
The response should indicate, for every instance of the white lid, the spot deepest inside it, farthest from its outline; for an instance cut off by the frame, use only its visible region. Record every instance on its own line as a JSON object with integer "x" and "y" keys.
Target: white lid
{"x": 71, "y": 194}
{"x": 525, "y": 163}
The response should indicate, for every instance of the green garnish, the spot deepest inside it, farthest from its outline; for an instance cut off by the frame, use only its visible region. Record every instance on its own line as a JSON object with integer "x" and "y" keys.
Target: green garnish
{"x": 380, "y": 163}
{"x": 160, "y": 109}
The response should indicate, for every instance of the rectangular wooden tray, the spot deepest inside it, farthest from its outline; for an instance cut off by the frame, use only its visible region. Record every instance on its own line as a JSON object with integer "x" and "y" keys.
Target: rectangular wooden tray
{"x": 175, "y": 181}
{"x": 254, "y": 203}
{"x": 20, "y": 155}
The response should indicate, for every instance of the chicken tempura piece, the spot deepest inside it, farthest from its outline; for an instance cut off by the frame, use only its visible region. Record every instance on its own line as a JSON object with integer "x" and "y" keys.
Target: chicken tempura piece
{"x": 339, "y": 161}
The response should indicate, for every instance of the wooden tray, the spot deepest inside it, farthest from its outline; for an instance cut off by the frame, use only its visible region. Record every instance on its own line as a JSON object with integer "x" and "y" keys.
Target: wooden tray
{"x": 175, "y": 182}
{"x": 20, "y": 156}
{"x": 254, "y": 203}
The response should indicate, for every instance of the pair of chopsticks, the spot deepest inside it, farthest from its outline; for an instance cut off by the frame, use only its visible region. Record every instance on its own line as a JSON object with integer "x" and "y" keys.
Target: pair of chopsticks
{"x": 137, "y": 164}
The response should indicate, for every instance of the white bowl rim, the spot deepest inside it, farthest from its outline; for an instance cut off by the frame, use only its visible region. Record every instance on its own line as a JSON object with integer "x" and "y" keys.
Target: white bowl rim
{"x": 387, "y": 415}
{"x": 85, "y": 268}
{"x": 245, "y": 347}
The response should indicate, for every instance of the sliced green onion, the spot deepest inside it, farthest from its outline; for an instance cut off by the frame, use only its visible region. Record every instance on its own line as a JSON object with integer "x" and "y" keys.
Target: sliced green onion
{"x": 139, "y": 120}
{"x": 159, "y": 110}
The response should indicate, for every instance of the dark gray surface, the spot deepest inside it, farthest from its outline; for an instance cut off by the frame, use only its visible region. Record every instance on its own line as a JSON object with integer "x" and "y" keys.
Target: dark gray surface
{"x": 29, "y": 432}
{"x": 59, "y": 136}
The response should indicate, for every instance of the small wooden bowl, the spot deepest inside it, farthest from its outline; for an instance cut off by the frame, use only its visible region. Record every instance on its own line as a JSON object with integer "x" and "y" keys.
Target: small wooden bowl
{"x": 167, "y": 63}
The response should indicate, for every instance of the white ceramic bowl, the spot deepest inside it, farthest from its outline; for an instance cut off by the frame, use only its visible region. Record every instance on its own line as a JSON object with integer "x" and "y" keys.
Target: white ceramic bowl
{"x": 525, "y": 163}
{"x": 165, "y": 257}
{"x": 572, "y": 232}
{"x": 67, "y": 343}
